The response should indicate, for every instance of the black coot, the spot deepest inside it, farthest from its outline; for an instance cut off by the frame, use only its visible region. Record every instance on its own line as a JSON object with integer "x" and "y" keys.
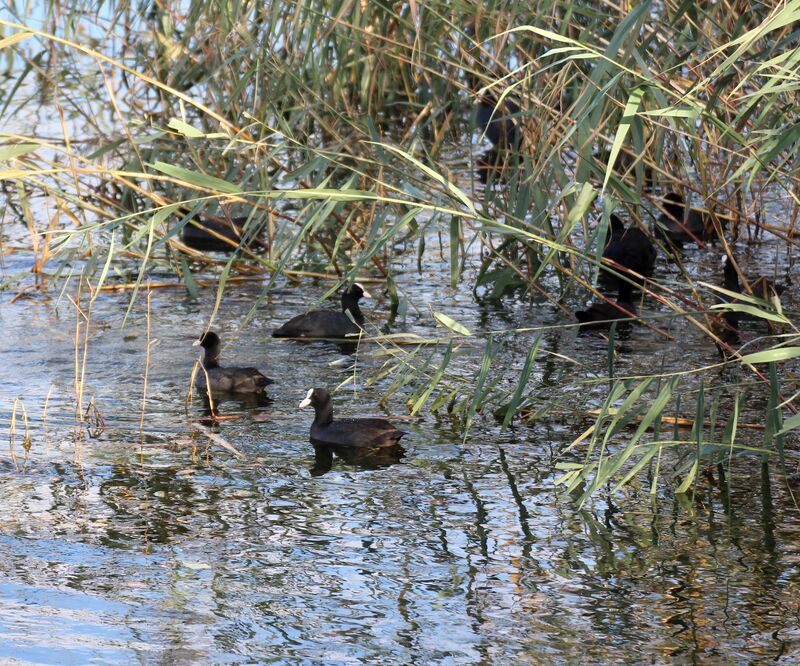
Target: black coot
{"x": 760, "y": 287}
{"x": 630, "y": 248}
{"x": 603, "y": 314}
{"x": 728, "y": 330}
{"x": 220, "y": 235}
{"x": 678, "y": 226}
{"x": 233, "y": 380}
{"x": 495, "y": 123}
{"x": 372, "y": 433}
{"x": 328, "y": 323}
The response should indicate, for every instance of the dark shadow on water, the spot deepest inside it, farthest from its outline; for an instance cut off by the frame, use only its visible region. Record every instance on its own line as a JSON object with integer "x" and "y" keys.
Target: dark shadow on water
{"x": 234, "y": 402}
{"x": 363, "y": 458}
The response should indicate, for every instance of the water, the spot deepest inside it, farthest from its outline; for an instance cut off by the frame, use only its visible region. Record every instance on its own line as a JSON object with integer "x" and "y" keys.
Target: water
{"x": 159, "y": 545}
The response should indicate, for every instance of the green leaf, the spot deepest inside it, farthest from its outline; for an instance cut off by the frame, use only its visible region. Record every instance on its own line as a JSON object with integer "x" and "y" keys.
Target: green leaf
{"x": 17, "y": 150}
{"x": 770, "y": 355}
{"x": 184, "y": 128}
{"x": 452, "y": 324}
{"x": 631, "y": 109}
{"x": 197, "y": 179}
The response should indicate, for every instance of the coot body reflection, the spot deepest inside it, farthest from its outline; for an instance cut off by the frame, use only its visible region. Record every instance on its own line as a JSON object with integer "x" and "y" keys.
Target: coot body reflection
{"x": 328, "y": 323}
{"x": 231, "y": 380}
{"x": 362, "y": 457}
{"x": 602, "y": 314}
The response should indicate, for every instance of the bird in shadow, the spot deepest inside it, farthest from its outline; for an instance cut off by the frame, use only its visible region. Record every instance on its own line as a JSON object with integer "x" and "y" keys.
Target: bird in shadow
{"x": 680, "y": 224}
{"x": 225, "y": 380}
{"x": 632, "y": 249}
{"x": 209, "y": 234}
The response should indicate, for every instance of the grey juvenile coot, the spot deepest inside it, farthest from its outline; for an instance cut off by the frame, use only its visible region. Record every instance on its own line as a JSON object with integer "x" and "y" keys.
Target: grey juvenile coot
{"x": 328, "y": 323}
{"x": 630, "y": 248}
{"x": 678, "y": 226}
{"x": 233, "y": 380}
{"x": 372, "y": 433}
{"x": 603, "y": 314}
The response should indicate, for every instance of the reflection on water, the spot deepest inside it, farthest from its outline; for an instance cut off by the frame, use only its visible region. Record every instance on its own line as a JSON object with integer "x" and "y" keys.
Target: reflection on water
{"x": 385, "y": 456}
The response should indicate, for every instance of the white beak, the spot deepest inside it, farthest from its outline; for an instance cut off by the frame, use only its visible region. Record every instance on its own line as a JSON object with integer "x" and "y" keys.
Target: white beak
{"x": 196, "y": 343}
{"x": 365, "y": 294}
{"x": 307, "y": 400}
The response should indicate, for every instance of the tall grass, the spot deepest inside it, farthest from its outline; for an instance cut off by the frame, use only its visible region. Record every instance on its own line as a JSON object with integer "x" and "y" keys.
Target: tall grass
{"x": 346, "y": 128}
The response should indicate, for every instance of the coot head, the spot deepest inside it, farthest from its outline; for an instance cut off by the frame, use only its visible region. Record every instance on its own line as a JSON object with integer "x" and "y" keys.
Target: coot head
{"x": 317, "y": 397}
{"x": 616, "y": 225}
{"x": 674, "y": 205}
{"x": 208, "y": 340}
{"x": 351, "y": 297}
{"x": 731, "y": 276}
{"x": 358, "y": 292}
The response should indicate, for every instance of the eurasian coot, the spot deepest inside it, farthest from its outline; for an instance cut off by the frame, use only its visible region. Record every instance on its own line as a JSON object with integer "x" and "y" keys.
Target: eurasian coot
{"x": 494, "y": 121}
{"x": 328, "y": 323}
{"x": 373, "y": 433}
{"x": 630, "y": 248}
{"x": 233, "y": 380}
{"x": 220, "y": 235}
{"x": 677, "y": 225}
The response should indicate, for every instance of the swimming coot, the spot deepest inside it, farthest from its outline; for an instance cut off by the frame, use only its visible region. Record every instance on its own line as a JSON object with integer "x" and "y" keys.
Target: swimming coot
{"x": 373, "y": 433}
{"x": 630, "y": 248}
{"x": 328, "y": 323}
{"x": 603, "y": 314}
{"x": 678, "y": 226}
{"x": 233, "y": 380}
{"x": 220, "y": 235}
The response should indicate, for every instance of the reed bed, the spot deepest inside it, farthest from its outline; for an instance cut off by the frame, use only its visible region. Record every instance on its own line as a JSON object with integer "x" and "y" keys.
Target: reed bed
{"x": 346, "y": 133}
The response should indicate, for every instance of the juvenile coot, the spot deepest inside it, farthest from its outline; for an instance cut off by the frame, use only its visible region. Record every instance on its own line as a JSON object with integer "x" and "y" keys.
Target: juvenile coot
{"x": 603, "y": 314}
{"x": 233, "y": 380}
{"x": 219, "y": 235}
{"x": 630, "y": 248}
{"x": 328, "y": 323}
{"x": 373, "y": 433}
{"x": 678, "y": 226}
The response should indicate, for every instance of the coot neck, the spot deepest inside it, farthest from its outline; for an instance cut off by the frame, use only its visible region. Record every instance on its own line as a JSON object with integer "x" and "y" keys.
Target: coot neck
{"x": 617, "y": 227}
{"x": 625, "y": 296}
{"x": 350, "y": 302}
{"x": 675, "y": 209}
{"x": 323, "y": 414}
{"x": 211, "y": 358}
{"x": 731, "y": 277}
